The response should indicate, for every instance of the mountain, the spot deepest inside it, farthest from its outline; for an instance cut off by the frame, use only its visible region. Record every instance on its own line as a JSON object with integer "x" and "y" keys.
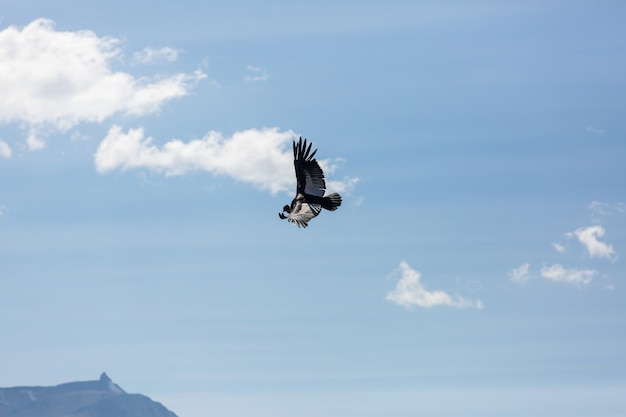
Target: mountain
{"x": 101, "y": 398}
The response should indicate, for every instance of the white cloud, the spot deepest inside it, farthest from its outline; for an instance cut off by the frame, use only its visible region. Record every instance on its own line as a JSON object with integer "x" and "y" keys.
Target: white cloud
{"x": 410, "y": 291}
{"x": 54, "y": 80}
{"x": 256, "y": 74}
{"x": 520, "y": 274}
{"x": 558, "y": 247}
{"x": 263, "y": 158}
{"x": 589, "y": 238}
{"x": 5, "y": 150}
{"x": 151, "y": 55}
{"x": 576, "y": 277}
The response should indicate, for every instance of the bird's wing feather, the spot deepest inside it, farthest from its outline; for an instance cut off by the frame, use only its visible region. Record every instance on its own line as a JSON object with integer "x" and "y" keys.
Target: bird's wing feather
{"x": 304, "y": 212}
{"x": 309, "y": 174}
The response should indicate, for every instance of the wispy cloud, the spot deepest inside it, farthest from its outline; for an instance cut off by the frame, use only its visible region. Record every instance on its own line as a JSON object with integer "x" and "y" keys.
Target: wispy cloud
{"x": 54, "y": 80}
{"x": 152, "y": 55}
{"x": 594, "y": 130}
{"x": 604, "y": 209}
{"x": 589, "y": 238}
{"x": 520, "y": 274}
{"x": 555, "y": 273}
{"x": 410, "y": 292}
{"x": 558, "y": 247}
{"x": 572, "y": 276}
{"x": 263, "y": 158}
{"x": 600, "y": 207}
{"x": 255, "y": 74}
{"x": 5, "y": 150}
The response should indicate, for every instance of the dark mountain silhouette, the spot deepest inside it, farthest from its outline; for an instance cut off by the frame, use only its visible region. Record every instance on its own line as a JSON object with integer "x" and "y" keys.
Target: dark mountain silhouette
{"x": 101, "y": 398}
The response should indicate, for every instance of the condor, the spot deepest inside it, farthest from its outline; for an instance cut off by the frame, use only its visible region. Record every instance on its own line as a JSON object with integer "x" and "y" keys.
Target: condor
{"x": 310, "y": 199}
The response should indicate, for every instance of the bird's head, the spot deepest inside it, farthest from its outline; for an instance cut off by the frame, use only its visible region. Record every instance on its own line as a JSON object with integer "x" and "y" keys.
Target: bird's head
{"x": 285, "y": 209}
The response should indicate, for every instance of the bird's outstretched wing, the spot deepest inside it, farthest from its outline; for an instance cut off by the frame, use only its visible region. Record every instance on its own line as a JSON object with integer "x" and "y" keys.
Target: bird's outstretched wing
{"x": 308, "y": 172}
{"x": 304, "y": 212}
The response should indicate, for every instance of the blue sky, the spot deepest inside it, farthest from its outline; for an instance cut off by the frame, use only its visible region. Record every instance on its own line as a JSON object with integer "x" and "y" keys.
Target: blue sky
{"x": 475, "y": 268}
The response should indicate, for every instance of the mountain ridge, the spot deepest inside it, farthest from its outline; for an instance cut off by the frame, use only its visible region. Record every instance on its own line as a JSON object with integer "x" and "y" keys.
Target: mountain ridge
{"x": 98, "y": 398}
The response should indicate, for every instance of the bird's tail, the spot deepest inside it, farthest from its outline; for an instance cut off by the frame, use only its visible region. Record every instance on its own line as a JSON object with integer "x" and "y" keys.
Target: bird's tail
{"x": 331, "y": 202}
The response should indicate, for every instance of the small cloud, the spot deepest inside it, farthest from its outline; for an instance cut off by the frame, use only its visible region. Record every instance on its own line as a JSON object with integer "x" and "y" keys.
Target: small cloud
{"x": 576, "y": 277}
{"x": 34, "y": 141}
{"x": 255, "y": 74}
{"x": 5, "y": 150}
{"x": 342, "y": 187}
{"x": 520, "y": 274}
{"x": 594, "y": 130}
{"x": 151, "y": 55}
{"x": 410, "y": 291}
{"x": 589, "y": 238}
{"x": 558, "y": 247}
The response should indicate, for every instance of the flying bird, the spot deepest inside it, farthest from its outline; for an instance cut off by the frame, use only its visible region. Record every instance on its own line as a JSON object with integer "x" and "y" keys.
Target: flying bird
{"x": 310, "y": 198}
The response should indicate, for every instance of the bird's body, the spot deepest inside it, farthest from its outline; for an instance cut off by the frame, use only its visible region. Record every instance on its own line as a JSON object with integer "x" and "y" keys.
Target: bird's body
{"x": 311, "y": 186}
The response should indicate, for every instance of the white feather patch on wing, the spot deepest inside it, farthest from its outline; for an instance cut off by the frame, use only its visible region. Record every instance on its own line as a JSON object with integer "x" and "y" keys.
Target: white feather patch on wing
{"x": 303, "y": 213}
